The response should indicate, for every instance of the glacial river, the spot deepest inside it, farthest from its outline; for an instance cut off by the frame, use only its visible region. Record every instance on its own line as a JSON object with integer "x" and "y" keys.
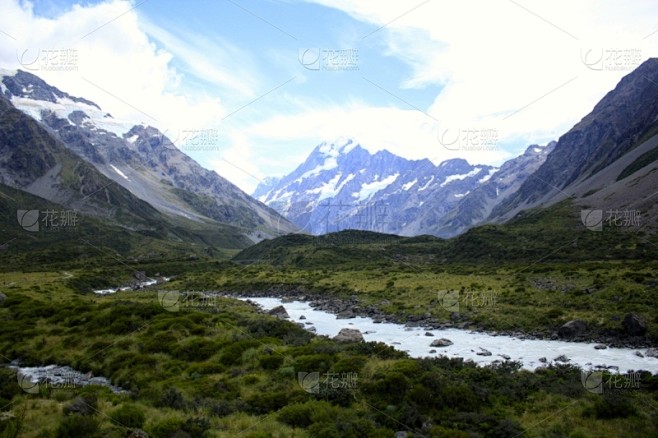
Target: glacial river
{"x": 466, "y": 344}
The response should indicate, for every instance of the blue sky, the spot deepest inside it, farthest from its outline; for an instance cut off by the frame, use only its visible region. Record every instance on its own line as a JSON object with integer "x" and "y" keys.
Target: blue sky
{"x": 526, "y": 70}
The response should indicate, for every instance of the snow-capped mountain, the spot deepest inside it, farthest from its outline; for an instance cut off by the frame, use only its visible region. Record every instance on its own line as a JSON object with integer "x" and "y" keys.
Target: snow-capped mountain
{"x": 343, "y": 186}
{"x": 141, "y": 159}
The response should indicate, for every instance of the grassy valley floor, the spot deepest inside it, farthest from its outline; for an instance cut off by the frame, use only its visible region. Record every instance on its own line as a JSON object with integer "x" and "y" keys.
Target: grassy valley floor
{"x": 222, "y": 369}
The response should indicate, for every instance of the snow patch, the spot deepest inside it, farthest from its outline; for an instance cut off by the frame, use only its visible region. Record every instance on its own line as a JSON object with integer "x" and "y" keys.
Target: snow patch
{"x": 461, "y": 195}
{"x": 328, "y": 189}
{"x": 329, "y": 164}
{"x": 65, "y": 106}
{"x": 121, "y": 174}
{"x": 452, "y": 178}
{"x": 409, "y": 185}
{"x": 427, "y": 184}
{"x": 369, "y": 189}
{"x": 488, "y": 176}
{"x": 347, "y": 148}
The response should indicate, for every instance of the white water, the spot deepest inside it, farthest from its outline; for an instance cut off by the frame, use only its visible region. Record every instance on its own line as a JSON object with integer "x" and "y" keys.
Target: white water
{"x": 466, "y": 344}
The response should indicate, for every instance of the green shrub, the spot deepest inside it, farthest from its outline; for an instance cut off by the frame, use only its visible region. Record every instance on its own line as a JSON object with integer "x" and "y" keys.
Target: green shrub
{"x": 270, "y": 401}
{"x": 172, "y": 398}
{"x": 313, "y": 363}
{"x": 195, "y": 350}
{"x": 168, "y": 428}
{"x": 232, "y": 354}
{"x": 271, "y": 361}
{"x": 300, "y": 414}
{"x": 613, "y": 405}
{"x": 352, "y": 364}
{"x": 129, "y": 415}
{"x": 76, "y": 426}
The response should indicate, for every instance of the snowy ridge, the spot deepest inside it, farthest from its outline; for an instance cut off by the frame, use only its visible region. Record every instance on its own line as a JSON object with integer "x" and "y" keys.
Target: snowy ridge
{"x": 343, "y": 186}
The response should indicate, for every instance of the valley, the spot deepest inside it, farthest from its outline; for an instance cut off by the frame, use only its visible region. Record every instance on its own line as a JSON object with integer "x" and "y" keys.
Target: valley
{"x": 237, "y": 254}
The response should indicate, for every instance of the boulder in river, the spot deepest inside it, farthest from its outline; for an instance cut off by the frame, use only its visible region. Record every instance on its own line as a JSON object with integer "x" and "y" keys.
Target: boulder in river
{"x": 302, "y": 317}
{"x": 600, "y": 347}
{"x": 429, "y": 334}
{"x": 443, "y": 342}
{"x": 483, "y": 352}
{"x": 634, "y": 325}
{"x": 651, "y": 352}
{"x": 573, "y": 328}
{"x": 349, "y": 335}
{"x": 279, "y": 312}
{"x": 346, "y": 314}
{"x": 562, "y": 358}
{"x": 543, "y": 360}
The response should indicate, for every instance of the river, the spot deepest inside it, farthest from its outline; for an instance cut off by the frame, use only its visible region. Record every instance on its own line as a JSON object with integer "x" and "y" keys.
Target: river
{"x": 467, "y": 344}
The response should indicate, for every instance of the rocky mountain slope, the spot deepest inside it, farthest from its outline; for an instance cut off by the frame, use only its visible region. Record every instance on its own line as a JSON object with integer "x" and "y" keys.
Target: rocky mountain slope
{"x": 611, "y": 151}
{"x": 141, "y": 159}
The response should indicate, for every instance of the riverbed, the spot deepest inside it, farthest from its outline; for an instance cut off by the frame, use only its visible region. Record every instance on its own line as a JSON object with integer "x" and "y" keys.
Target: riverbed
{"x": 469, "y": 345}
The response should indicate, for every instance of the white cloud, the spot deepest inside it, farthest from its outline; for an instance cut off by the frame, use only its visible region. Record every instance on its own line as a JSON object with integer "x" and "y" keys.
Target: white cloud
{"x": 118, "y": 65}
{"x": 511, "y": 66}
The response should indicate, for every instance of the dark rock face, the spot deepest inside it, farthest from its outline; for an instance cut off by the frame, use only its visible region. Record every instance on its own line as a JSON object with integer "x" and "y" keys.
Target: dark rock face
{"x": 613, "y": 127}
{"x": 572, "y": 329}
{"x": 634, "y": 325}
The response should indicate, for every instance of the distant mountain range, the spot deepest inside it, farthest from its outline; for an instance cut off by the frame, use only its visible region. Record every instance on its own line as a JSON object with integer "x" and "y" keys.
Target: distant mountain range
{"x": 607, "y": 161}
{"x": 343, "y": 186}
{"x": 67, "y": 151}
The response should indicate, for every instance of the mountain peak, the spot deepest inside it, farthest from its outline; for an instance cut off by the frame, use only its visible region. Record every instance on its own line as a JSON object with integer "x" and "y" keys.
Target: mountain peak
{"x": 340, "y": 146}
{"x": 26, "y": 85}
{"x": 535, "y": 149}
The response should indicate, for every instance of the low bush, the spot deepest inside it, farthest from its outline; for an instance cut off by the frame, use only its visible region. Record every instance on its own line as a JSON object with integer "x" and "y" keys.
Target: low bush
{"x": 128, "y": 415}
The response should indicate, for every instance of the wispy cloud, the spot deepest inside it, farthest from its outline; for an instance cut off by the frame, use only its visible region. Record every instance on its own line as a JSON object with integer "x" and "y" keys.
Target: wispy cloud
{"x": 213, "y": 59}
